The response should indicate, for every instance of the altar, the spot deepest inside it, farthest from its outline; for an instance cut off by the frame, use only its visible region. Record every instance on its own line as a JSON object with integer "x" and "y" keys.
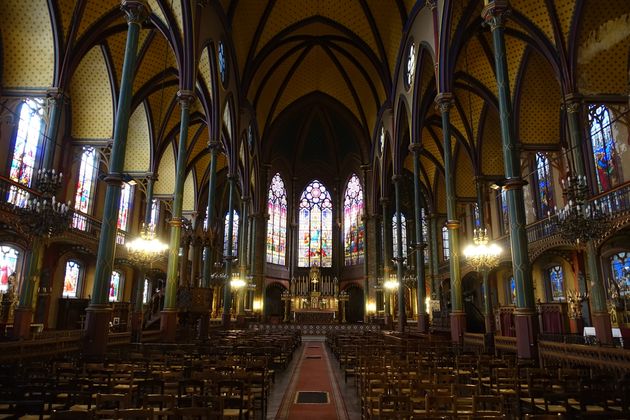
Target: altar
{"x": 314, "y": 316}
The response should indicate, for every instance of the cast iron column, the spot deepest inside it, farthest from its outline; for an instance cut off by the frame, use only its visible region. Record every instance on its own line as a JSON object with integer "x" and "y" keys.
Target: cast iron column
{"x": 55, "y": 99}
{"x": 494, "y": 14}
{"x": 387, "y": 249}
{"x": 458, "y": 316}
{"x": 402, "y": 314}
{"x": 207, "y": 262}
{"x": 420, "y": 244}
{"x": 168, "y": 324}
{"x": 229, "y": 258}
{"x": 99, "y": 311}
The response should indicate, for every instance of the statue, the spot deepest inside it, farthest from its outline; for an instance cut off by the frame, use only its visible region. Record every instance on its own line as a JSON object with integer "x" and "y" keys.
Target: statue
{"x": 8, "y": 298}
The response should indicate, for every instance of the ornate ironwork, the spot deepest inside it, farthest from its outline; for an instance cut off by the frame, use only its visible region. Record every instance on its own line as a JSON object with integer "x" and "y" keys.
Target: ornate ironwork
{"x": 580, "y": 220}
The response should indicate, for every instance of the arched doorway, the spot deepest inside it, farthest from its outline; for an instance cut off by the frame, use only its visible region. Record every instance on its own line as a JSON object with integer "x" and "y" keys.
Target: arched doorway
{"x": 355, "y": 310}
{"x": 274, "y": 309}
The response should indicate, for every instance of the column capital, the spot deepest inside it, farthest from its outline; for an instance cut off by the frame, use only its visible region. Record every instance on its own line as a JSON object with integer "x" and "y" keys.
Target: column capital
{"x": 397, "y": 178}
{"x": 514, "y": 183}
{"x": 55, "y": 94}
{"x": 444, "y": 101}
{"x": 572, "y": 102}
{"x": 185, "y": 97}
{"x": 453, "y": 224}
{"x": 384, "y": 201}
{"x": 214, "y": 146}
{"x": 431, "y": 4}
{"x": 495, "y": 13}
{"x": 415, "y": 147}
{"x": 136, "y": 11}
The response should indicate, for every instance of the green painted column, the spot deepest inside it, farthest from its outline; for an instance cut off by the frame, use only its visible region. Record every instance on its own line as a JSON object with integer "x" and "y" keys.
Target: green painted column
{"x": 420, "y": 240}
{"x": 55, "y": 99}
{"x": 23, "y": 315}
{"x": 168, "y": 324}
{"x": 458, "y": 316}
{"x": 229, "y": 258}
{"x": 494, "y": 14}
{"x": 402, "y": 315}
{"x": 99, "y": 311}
{"x": 212, "y": 186}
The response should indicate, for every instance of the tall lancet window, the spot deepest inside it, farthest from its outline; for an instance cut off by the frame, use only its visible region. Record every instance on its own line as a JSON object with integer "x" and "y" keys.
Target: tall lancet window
{"x": 25, "y": 149}
{"x": 315, "y": 226}
{"x": 234, "y": 233}
{"x": 403, "y": 227}
{"x": 85, "y": 188}
{"x": 604, "y": 147}
{"x": 543, "y": 185}
{"x": 353, "y": 229}
{"x": 277, "y": 222}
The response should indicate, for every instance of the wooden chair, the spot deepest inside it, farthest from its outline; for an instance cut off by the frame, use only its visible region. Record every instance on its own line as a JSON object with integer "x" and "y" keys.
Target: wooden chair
{"x": 193, "y": 413}
{"x": 106, "y": 404}
{"x": 163, "y": 405}
{"x": 134, "y": 413}
{"x": 487, "y": 406}
{"x": 235, "y": 402}
{"x": 394, "y": 407}
{"x": 71, "y": 415}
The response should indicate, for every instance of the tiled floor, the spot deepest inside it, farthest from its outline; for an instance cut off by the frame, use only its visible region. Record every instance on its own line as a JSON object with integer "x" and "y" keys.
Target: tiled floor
{"x": 283, "y": 379}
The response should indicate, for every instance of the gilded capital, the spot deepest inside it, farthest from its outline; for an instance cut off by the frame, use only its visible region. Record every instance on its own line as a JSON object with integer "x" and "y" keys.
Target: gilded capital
{"x": 136, "y": 11}
{"x": 444, "y": 101}
{"x": 415, "y": 147}
{"x": 431, "y": 4}
{"x": 495, "y": 13}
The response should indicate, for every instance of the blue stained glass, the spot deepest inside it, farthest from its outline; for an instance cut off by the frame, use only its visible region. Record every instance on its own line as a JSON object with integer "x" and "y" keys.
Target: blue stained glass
{"x": 505, "y": 215}
{"x": 354, "y": 232}
{"x": 512, "y": 284}
{"x": 446, "y": 252}
{"x": 403, "y": 228}
{"x": 315, "y": 226}
{"x": 277, "y": 222}
{"x": 543, "y": 178}
{"x": 620, "y": 265}
{"x": 222, "y": 63}
{"x": 604, "y": 148}
{"x": 556, "y": 282}
{"x": 234, "y": 233}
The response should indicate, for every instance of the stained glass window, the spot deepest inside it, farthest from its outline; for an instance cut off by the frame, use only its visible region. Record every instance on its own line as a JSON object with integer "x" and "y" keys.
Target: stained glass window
{"x": 155, "y": 213}
{"x": 315, "y": 226}
{"x": 222, "y": 63}
{"x": 620, "y": 265}
{"x": 381, "y": 141}
{"x": 504, "y": 212}
{"x": 85, "y": 186}
{"x": 234, "y": 233}
{"x": 277, "y": 222}
{"x": 403, "y": 228}
{"x": 604, "y": 147}
{"x": 8, "y": 266}
{"x": 425, "y": 233}
{"x": 446, "y": 252}
{"x": 114, "y": 286}
{"x": 512, "y": 290}
{"x": 543, "y": 184}
{"x": 71, "y": 279}
{"x": 556, "y": 282}
{"x": 353, "y": 229}
{"x": 126, "y": 195}
{"x": 27, "y": 142}
{"x": 146, "y": 292}
{"x": 476, "y": 215}
{"x": 411, "y": 64}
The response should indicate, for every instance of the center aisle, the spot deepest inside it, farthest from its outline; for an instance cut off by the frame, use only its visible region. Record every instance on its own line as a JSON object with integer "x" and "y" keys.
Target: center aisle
{"x": 313, "y": 372}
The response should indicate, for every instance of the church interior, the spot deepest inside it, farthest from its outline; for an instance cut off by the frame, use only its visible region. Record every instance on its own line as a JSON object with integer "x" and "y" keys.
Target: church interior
{"x": 362, "y": 209}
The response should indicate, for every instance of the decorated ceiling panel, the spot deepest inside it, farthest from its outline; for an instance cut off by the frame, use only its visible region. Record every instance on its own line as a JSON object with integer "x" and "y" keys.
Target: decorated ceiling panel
{"x": 138, "y": 151}
{"x": 348, "y": 14}
{"x": 29, "y": 44}
{"x": 165, "y": 184}
{"x": 387, "y": 18}
{"x": 536, "y": 11}
{"x": 243, "y": 33}
{"x": 204, "y": 72}
{"x": 491, "y": 146}
{"x": 94, "y": 10}
{"x": 154, "y": 5}
{"x": 188, "y": 203}
{"x": 156, "y": 60}
{"x": 565, "y": 11}
{"x": 91, "y": 98}
{"x": 539, "y": 112}
{"x": 464, "y": 175}
{"x": 271, "y": 66}
{"x": 116, "y": 44}
{"x": 65, "y": 10}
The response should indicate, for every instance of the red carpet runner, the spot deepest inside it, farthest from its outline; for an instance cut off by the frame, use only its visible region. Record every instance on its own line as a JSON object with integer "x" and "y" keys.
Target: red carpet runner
{"x": 313, "y": 373}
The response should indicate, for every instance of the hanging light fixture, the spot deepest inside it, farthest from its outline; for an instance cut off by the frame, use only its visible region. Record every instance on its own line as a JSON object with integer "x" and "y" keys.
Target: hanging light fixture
{"x": 481, "y": 254}
{"x": 43, "y": 215}
{"x": 146, "y": 249}
{"x": 581, "y": 220}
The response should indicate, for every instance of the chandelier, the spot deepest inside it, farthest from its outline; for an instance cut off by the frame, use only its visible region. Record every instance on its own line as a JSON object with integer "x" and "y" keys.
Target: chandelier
{"x": 146, "y": 248}
{"x": 481, "y": 255}
{"x": 44, "y": 216}
{"x": 580, "y": 221}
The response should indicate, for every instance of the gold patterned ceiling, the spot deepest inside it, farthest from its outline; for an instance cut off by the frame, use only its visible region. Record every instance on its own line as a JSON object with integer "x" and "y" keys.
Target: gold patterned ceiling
{"x": 286, "y": 50}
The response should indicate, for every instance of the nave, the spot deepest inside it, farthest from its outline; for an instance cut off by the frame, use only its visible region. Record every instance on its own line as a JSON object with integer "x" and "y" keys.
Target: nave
{"x": 251, "y": 374}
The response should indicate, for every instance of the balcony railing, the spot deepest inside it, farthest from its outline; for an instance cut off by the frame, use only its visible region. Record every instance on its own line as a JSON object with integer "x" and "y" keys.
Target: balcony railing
{"x": 14, "y": 194}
